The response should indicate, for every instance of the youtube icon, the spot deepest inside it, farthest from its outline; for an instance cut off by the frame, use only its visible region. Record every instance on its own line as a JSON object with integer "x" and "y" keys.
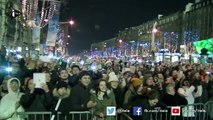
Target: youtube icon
{"x": 175, "y": 111}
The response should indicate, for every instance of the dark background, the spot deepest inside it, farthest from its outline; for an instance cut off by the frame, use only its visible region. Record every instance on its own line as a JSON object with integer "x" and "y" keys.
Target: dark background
{"x": 99, "y": 20}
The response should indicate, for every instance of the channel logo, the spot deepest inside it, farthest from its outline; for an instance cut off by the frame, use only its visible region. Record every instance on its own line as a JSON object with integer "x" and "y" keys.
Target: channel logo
{"x": 111, "y": 111}
{"x": 175, "y": 111}
{"x": 137, "y": 111}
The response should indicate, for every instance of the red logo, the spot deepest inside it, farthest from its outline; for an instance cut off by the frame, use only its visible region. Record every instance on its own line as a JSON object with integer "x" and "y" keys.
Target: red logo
{"x": 175, "y": 111}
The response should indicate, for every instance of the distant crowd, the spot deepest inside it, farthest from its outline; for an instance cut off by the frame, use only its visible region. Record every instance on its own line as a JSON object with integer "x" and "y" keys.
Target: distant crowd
{"x": 93, "y": 84}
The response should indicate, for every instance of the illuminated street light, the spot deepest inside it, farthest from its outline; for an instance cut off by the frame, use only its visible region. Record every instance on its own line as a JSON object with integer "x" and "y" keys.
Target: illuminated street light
{"x": 71, "y": 22}
{"x": 154, "y": 30}
{"x": 120, "y": 41}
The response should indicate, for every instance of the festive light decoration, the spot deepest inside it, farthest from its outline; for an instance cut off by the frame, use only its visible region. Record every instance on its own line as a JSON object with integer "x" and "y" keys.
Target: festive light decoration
{"x": 171, "y": 37}
{"x": 31, "y": 12}
{"x": 191, "y": 36}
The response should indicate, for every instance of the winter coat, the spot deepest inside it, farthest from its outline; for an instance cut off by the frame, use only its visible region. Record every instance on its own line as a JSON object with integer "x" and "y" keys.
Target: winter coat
{"x": 119, "y": 97}
{"x": 142, "y": 101}
{"x": 65, "y": 102}
{"x": 65, "y": 105}
{"x": 8, "y": 108}
{"x": 175, "y": 100}
{"x": 102, "y": 103}
{"x": 37, "y": 101}
{"x": 128, "y": 96}
{"x": 188, "y": 92}
{"x": 80, "y": 96}
{"x": 73, "y": 80}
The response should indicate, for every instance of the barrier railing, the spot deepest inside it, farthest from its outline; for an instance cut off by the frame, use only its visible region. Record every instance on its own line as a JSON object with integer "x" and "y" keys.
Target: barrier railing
{"x": 198, "y": 111}
{"x": 209, "y": 110}
{"x": 74, "y": 115}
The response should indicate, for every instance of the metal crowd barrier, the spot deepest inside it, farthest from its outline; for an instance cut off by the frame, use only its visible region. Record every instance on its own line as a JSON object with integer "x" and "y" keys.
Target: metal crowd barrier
{"x": 74, "y": 115}
{"x": 198, "y": 111}
{"x": 84, "y": 115}
{"x": 209, "y": 110}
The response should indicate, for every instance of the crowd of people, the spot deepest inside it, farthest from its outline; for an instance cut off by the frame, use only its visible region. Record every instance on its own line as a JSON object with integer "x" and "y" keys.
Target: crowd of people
{"x": 92, "y": 86}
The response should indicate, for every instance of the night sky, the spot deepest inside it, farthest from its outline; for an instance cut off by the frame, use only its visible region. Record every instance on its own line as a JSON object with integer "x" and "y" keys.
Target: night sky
{"x": 99, "y": 20}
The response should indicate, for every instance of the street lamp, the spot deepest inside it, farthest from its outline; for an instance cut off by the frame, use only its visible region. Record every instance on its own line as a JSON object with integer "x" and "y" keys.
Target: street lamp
{"x": 71, "y": 22}
{"x": 65, "y": 28}
{"x": 154, "y": 31}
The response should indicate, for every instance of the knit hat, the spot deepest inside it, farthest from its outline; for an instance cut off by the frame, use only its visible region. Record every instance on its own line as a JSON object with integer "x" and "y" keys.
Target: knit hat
{"x": 84, "y": 73}
{"x": 113, "y": 77}
{"x": 136, "y": 82}
{"x": 61, "y": 84}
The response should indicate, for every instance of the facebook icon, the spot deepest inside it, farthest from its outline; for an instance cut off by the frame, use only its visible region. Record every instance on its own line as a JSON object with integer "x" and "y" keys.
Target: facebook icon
{"x": 137, "y": 111}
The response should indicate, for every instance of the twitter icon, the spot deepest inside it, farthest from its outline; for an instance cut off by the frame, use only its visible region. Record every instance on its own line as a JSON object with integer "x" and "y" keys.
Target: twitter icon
{"x": 111, "y": 111}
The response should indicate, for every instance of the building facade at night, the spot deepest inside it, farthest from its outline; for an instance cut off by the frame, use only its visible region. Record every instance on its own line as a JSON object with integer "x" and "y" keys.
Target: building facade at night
{"x": 174, "y": 32}
{"x": 24, "y": 25}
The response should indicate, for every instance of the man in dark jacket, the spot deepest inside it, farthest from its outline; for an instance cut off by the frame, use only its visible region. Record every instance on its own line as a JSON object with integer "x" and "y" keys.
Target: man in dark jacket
{"x": 73, "y": 80}
{"x": 80, "y": 95}
{"x": 172, "y": 99}
{"x": 147, "y": 104}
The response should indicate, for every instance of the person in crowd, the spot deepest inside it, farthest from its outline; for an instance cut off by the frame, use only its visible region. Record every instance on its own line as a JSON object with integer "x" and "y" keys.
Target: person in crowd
{"x": 73, "y": 80}
{"x": 36, "y": 99}
{"x": 171, "y": 98}
{"x": 200, "y": 94}
{"x": 117, "y": 90}
{"x": 126, "y": 79}
{"x": 103, "y": 97}
{"x": 62, "y": 91}
{"x": 80, "y": 95}
{"x": 148, "y": 100}
{"x": 187, "y": 91}
{"x": 149, "y": 82}
{"x": 9, "y": 104}
{"x": 63, "y": 75}
{"x": 3, "y": 87}
{"x": 30, "y": 67}
{"x": 136, "y": 84}
{"x": 24, "y": 85}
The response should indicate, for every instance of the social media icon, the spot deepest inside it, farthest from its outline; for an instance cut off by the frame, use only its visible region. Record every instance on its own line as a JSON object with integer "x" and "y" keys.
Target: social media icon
{"x": 111, "y": 111}
{"x": 175, "y": 111}
{"x": 137, "y": 111}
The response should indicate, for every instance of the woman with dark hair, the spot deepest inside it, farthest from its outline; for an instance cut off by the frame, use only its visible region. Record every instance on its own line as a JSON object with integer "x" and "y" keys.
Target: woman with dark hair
{"x": 103, "y": 97}
{"x": 36, "y": 99}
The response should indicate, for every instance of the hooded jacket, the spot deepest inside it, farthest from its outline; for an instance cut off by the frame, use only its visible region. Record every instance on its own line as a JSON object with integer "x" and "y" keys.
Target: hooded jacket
{"x": 8, "y": 103}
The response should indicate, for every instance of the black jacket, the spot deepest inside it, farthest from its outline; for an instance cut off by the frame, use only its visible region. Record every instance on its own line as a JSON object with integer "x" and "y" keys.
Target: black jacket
{"x": 141, "y": 101}
{"x": 175, "y": 100}
{"x": 37, "y": 101}
{"x": 119, "y": 97}
{"x": 73, "y": 80}
{"x": 80, "y": 96}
